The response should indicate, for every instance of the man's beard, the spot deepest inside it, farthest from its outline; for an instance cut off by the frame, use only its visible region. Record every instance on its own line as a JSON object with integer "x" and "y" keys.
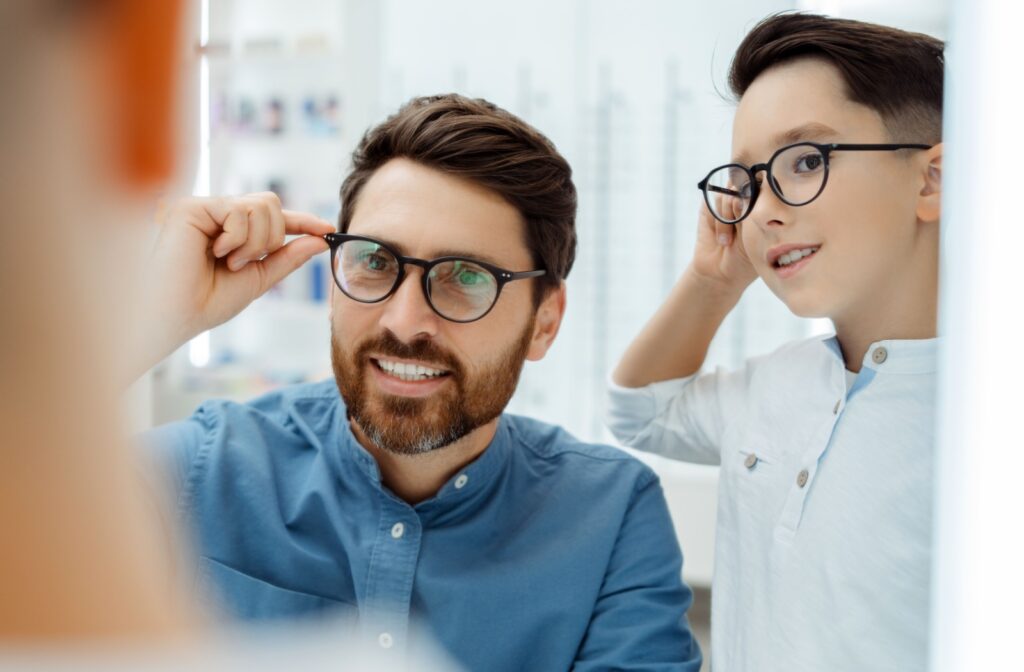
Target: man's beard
{"x": 416, "y": 425}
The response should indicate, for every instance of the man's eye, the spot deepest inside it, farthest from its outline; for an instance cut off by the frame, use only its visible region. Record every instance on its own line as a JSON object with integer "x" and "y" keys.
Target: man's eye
{"x": 375, "y": 261}
{"x": 470, "y": 278}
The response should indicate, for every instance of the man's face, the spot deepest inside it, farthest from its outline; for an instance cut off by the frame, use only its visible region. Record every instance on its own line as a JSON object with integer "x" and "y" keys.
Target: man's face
{"x": 421, "y": 212}
{"x": 863, "y": 226}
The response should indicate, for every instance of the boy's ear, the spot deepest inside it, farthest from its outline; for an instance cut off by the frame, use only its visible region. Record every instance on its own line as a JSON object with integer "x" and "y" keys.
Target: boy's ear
{"x": 929, "y": 201}
{"x": 547, "y": 322}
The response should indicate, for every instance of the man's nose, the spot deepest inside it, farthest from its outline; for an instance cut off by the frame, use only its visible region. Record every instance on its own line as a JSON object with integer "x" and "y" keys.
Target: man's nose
{"x": 407, "y": 314}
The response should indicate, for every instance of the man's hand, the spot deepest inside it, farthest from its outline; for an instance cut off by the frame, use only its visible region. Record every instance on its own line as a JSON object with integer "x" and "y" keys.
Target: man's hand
{"x": 215, "y": 256}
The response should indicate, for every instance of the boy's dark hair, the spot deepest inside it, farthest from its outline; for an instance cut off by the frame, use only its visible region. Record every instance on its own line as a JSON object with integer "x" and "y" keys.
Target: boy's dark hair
{"x": 898, "y": 74}
{"x": 480, "y": 142}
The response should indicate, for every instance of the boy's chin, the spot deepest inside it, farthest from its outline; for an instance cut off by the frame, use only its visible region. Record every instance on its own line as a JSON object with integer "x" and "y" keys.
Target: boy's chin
{"x": 804, "y": 305}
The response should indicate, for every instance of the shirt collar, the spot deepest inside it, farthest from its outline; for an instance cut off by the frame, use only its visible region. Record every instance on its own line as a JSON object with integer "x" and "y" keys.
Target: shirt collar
{"x": 477, "y": 476}
{"x": 895, "y": 356}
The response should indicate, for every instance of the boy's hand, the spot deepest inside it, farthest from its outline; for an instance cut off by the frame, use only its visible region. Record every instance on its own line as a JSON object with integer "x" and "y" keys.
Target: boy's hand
{"x": 214, "y": 256}
{"x": 719, "y": 257}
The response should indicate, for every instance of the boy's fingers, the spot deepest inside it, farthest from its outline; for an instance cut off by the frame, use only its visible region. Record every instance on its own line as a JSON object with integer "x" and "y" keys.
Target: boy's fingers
{"x": 234, "y": 230}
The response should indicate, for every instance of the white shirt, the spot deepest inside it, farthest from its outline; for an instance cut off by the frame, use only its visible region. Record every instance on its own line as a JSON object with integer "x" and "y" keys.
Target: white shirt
{"x": 823, "y": 544}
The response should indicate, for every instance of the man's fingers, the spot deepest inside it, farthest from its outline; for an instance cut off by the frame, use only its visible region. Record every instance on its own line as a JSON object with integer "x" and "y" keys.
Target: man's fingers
{"x": 255, "y": 247}
{"x": 277, "y": 265}
{"x": 234, "y": 230}
{"x": 304, "y": 222}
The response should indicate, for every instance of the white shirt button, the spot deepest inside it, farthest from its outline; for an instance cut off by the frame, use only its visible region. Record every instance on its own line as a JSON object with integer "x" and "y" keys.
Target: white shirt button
{"x": 835, "y": 410}
{"x": 461, "y": 481}
{"x": 801, "y": 478}
{"x": 385, "y": 640}
{"x": 879, "y": 355}
{"x": 397, "y": 531}
{"x": 750, "y": 461}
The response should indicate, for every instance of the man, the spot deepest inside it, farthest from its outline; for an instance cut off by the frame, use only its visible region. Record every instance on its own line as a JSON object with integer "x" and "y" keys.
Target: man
{"x": 410, "y": 495}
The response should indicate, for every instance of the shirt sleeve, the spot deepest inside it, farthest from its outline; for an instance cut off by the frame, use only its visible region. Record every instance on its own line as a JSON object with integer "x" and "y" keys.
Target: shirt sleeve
{"x": 173, "y": 448}
{"x": 639, "y": 620}
{"x": 682, "y": 419}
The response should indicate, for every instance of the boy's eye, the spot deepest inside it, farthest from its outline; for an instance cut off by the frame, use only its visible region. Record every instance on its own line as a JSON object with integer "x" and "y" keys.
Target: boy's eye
{"x": 808, "y": 163}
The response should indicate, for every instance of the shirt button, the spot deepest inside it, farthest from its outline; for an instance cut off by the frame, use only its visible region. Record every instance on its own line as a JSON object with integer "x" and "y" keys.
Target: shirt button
{"x": 385, "y": 640}
{"x": 397, "y": 531}
{"x": 801, "y": 478}
{"x": 461, "y": 481}
{"x": 879, "y": 355}
{"x": 750, "y": 461}
{"x": 835, "y": 410}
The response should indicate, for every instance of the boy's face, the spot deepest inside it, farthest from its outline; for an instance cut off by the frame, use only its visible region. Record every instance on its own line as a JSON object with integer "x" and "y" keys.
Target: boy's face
{"x": 864, "y": 226}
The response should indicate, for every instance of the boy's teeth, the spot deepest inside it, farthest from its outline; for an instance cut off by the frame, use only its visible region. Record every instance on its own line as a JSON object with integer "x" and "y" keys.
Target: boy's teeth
{"x": 404, "y": 371}
{"x": 795, "y": 255}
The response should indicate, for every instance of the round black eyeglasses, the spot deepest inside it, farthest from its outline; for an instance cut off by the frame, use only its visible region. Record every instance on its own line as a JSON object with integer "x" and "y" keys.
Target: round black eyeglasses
{"x": 797, "y": 174}
{"x": 458, "y": 289}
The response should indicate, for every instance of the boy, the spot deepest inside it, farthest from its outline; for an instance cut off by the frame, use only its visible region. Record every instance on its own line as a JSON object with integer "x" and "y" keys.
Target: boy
{"x": 833, "y": 199}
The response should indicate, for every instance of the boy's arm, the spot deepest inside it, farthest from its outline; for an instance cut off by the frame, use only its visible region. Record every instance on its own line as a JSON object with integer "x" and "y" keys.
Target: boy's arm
{"x": 675, "y": 341}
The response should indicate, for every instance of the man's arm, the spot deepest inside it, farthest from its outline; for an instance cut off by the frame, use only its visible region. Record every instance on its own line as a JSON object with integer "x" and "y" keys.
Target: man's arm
{"x": 639, "y": 620}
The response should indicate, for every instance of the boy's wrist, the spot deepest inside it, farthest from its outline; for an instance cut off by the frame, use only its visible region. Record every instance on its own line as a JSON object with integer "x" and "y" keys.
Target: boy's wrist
{"x": 713, "y": 289}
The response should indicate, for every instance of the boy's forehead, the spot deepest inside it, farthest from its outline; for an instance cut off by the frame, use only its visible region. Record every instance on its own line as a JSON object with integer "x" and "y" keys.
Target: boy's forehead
{"x": 795, "y": 101}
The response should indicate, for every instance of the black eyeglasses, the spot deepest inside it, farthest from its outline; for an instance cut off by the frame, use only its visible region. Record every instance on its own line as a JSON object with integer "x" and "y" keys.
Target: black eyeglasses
{"x": 457, "y": 288}
{"x": 796, "y": 174}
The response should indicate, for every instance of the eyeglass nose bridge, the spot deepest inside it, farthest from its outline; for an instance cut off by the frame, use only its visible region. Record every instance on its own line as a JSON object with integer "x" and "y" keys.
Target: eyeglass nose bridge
{"x": 755, "y": 186}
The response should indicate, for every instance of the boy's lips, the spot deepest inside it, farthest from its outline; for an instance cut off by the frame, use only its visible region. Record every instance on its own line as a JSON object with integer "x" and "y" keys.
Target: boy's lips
{"x": 788, "y": 260}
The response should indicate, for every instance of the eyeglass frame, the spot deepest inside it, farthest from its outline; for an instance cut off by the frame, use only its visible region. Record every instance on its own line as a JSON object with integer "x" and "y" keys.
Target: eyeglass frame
{"x": 502, "y": 275}
{"x": 824, "y": 148}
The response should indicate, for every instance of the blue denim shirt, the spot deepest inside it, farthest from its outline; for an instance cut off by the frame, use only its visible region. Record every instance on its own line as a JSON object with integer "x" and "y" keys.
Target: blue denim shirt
{"x": 544, "y": 553}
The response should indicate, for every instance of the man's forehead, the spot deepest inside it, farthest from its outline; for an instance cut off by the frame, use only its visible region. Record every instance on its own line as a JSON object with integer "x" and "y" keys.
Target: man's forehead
{"x": 422, "y": 212}
{"x": 811, "y": 131}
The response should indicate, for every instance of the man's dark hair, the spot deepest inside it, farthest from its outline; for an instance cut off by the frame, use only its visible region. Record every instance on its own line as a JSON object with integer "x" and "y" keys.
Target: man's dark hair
{"x": 482, "y": 143}
{"x": 898, "y": 74}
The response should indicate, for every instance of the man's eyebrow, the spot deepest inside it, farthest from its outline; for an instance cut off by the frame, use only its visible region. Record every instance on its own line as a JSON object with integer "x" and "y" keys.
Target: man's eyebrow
{"x": 450, "y": 252}
{"x": 810, "y": 131}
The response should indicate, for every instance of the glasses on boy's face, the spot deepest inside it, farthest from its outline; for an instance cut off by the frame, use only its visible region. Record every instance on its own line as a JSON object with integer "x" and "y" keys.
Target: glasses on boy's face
{"x": 458, "y": 289}
{"x": 797, "y": 174}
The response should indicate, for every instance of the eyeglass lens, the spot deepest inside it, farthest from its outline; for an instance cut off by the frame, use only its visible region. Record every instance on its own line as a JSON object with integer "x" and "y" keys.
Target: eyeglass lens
{"x": 457, "y": 289}
{"x": 798, "y": 175}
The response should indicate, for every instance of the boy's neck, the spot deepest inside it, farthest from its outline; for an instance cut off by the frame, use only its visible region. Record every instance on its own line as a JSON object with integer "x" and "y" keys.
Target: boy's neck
{"x": 906, "y": 310}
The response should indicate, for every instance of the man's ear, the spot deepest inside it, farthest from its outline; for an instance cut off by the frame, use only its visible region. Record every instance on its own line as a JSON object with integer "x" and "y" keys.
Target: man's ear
{"x": 929, "y": 201}
{"x": 547, "y": 322}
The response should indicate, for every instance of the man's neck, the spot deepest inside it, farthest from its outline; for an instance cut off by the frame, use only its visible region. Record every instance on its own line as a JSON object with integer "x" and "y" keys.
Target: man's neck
{"x": 415, "y": 478}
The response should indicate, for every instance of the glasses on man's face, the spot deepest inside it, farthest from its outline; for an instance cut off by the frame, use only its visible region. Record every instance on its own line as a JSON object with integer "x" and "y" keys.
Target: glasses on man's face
{"x": 797, "y": 174}
{"x": 458, "y": 289}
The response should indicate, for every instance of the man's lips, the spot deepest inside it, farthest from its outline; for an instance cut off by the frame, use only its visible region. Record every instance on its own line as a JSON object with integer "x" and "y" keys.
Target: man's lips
{"x": 407, "y": 378}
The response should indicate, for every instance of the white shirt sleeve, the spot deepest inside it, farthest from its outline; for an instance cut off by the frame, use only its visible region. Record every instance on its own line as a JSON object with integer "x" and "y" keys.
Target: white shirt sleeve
{"x": 682, "y": 419}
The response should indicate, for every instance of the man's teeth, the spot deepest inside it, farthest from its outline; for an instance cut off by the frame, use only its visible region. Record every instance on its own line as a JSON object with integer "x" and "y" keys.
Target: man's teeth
{"x": 795, "y": 255}
{"x": 404, "y": 371}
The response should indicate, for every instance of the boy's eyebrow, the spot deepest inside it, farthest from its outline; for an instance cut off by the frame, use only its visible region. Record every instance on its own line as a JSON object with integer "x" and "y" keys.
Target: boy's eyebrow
{"x": 810, "y": 131}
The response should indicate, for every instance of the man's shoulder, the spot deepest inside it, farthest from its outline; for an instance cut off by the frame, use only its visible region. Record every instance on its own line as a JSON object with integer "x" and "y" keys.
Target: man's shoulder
{"x": 308, "y": 399}
{"x": 544, "y": 442}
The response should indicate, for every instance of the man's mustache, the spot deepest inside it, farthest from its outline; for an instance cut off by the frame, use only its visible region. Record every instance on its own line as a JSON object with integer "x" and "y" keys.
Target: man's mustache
{"x": 423, "y": 350}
